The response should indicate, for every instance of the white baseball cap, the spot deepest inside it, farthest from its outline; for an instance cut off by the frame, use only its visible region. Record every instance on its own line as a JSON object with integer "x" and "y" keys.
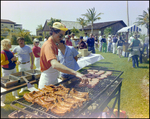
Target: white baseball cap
{"x": 36, "y": 40}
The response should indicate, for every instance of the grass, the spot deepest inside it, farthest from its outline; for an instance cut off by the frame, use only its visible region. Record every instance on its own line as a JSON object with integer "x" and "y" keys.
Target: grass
{"x": 132, "y": 101}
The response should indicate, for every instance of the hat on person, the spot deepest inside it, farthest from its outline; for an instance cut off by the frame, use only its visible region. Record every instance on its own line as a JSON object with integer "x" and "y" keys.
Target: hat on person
{"x": 66, "y": 36}
{"x": 76, "y": 37}
{"x": 35, "y": 40}
{"x": 109, "y": 36}
{"x": 81, "y": 37}
{"x": 60, "y": 26}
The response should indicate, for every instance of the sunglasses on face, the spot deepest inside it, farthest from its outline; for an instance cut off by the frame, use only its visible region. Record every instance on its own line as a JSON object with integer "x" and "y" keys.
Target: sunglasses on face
{"x": 36, "y": 42}
{"x": 61, "y": 35}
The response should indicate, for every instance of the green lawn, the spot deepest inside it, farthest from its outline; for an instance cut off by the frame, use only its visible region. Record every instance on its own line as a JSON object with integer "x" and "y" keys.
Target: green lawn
{"x": 132, "y": 101}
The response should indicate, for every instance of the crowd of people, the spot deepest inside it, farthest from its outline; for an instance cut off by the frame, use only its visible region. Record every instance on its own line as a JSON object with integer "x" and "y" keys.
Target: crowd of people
{"x": 59, "y": 54}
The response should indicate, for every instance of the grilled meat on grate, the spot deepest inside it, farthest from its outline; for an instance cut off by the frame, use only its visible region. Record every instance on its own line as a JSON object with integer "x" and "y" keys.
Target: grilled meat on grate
{"x": 57, "y": 99}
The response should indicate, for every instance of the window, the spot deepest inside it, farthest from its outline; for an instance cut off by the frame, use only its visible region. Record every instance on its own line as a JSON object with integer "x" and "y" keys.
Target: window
{"x": 2, "y": 24}
{"x": 11, "y": 26}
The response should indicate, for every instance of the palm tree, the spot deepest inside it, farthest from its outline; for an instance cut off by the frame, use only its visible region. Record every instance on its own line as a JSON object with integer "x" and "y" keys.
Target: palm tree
{"x": 82, "y": 22}
{"x": 144, "y": 20}
{"x": 92, "y": 17}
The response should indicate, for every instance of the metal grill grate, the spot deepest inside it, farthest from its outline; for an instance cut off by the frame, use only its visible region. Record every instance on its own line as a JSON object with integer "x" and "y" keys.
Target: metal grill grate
{"x": 94, "y": 94}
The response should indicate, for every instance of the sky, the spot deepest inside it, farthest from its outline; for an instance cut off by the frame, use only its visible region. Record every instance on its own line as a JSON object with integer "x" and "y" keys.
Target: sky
{"x": 33, "y": 13}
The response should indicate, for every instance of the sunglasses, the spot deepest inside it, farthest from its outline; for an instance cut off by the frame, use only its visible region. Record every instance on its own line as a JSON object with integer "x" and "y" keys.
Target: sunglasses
{"x": 61, "y": 35}
{"x": 36, "y": 42}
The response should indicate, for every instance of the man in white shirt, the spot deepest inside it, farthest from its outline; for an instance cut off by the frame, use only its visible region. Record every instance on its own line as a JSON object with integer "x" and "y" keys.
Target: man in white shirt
{"x": 109, "y": 43}
{"x": 45, "y": 39}
{"x": 130, "y": 39}
{"x": 85, "y": 37}
{"x": 100, "y": 43}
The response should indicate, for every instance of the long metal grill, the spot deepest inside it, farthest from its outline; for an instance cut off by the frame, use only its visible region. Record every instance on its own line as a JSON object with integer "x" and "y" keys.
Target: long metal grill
{"x": 94, "y": 94}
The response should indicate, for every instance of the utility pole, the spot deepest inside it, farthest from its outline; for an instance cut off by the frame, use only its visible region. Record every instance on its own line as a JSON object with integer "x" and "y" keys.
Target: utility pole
{"x": 127, "y": 14}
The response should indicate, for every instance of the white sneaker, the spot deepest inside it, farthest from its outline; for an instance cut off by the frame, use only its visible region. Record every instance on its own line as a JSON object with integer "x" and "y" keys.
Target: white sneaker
{"x": 17, "y": 97}
{"x": 2, "y": 104}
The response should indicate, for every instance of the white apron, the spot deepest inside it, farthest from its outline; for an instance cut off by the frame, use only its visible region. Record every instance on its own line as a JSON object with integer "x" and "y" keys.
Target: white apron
{"x": 37, "y": 63}
{"x": 48, "y": 77}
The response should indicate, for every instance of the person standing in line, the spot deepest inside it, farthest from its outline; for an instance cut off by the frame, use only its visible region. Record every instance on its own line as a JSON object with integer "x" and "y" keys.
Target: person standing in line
{"x": 109, "y": 43}
{"x": 129, "y": 41}
{"x": 85, "y": 37}
{"x": 68, "y": 41}
{"x": 36, "y": 51}
{"x": 146, "y": 45}
{"x": 45, "y": 39}
{"x": 8, "y": 64}
{"x": 76, "y": 42}
{"x": 104, "y": 42}
{"x": 96, "y": 42}
{"x": 90, "y": 43}
{"x": 141, "y": 49}
{"x": 82, "y": 44}
{"x": 114, "y": 44}
{"x": 100, "y": 43}
{"x": 120, "y": 46}
{"x": 24, "y": 53}
{"x": 49, "y": 56}
{"x": 135, "y": 44}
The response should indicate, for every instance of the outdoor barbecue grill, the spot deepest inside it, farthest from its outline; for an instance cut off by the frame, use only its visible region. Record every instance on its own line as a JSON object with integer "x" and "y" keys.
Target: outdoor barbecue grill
{"x": 101, "y": 95}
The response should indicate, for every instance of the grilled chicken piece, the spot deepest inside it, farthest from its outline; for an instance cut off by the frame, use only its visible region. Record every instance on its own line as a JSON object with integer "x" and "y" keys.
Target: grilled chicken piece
{"x": 79, "y": 94}
{"x": 28, "y": 97}
{"x": 48, "y": 99}
{"x": 39, "y": 101}
{"x": 46, "y": 90}
{"x": 60, "y": 93}
{"x": 50, "y": 106}
{"x": 58, "y": 111}
{"x": 108, "y": 73}
{"x": 63, "y": 103}
{"x": 36, "y": 93}
{"x": 50, "y": 88}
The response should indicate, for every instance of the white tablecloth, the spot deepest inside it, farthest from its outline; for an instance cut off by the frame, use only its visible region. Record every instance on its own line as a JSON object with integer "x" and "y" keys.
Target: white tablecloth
{"x": 90, "y": 59}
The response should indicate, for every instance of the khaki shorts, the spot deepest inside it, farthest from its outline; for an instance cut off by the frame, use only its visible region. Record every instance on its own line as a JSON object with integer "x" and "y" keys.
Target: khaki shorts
{"x": 120, "y": 47}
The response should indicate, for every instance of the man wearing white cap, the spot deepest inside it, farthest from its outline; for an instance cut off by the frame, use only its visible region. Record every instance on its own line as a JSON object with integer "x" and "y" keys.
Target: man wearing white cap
{"x": 109, "y": 43}
{"x": 48, "y": 57}
{"x": 36, "y": 51}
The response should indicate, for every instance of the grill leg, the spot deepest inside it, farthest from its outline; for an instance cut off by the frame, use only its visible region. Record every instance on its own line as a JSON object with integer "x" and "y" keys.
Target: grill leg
{"x": 119, "y": 99}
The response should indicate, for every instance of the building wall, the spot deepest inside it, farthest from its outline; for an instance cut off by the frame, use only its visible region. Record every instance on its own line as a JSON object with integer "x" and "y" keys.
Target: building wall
{"x": 115, "y": 28}
{"x": 7, "y": 25}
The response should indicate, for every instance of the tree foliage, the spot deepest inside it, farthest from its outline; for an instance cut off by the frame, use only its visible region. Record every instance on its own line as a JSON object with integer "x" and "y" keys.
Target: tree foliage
{"x": 39, "y": 27}
{"x": 144, "y": 20}
{"x": 75, "y": 31}
{"x": 82, "y": 22}
{"x": 92, "y": 17}
{"x": 52, "y": 20}
{"x": 107, "y": 31}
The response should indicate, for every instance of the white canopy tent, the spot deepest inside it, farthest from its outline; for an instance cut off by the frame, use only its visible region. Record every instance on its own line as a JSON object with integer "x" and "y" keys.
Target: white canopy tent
{"x": 132, "y": 28}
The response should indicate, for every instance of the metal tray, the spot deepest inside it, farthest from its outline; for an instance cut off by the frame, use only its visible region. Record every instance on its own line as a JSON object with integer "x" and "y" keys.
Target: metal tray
{"x": 6, "y": 82}
{"x": 36, "y": 73}
{"x": 17, "y": 76}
